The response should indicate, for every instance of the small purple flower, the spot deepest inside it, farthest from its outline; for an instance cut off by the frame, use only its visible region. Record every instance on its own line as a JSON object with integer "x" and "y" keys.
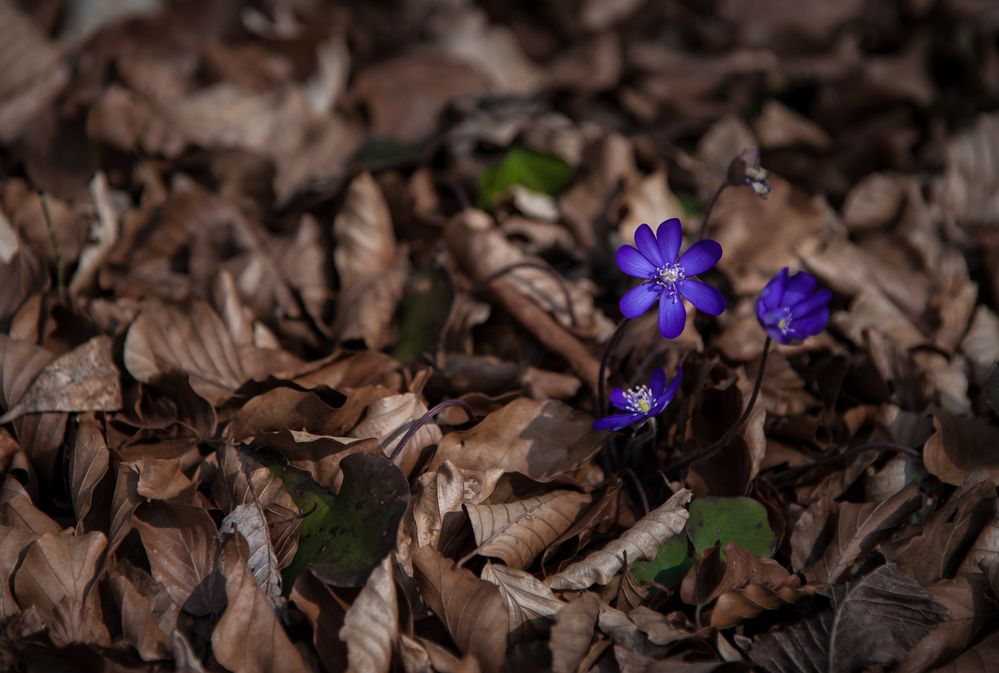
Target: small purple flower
{"x": 669, "y": 279}
{"x": 640, "y": 402}
{"x": 792, "y": 308}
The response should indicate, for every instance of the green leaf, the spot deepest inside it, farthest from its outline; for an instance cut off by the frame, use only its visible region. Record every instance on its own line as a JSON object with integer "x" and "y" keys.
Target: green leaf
{"x": 668, "y": 568}
{"x": 383, "y": 152}
{"x": 343, "y": 537}
{"x": 688, "y": 202}
{"x": 723, "y": 520}
{"x": 526, "y": 167}
{"x": 423, "y": 314}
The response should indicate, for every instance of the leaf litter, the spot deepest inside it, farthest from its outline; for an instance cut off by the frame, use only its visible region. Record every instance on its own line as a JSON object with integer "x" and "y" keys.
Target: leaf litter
{"x": 309, "y": 312}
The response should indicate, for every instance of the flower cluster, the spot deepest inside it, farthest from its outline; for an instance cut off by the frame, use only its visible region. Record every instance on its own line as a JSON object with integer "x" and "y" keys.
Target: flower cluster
{"x": 790, "y": 308}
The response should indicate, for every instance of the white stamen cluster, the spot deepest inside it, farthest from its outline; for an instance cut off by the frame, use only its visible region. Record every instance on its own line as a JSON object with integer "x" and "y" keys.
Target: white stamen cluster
{"x": 784, "y": 324}
{"x": 639, "y": 399}
{"x": 667, "y": 276}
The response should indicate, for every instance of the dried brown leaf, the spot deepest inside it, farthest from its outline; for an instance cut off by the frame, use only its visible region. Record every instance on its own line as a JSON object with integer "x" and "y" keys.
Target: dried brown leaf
{"x": 325, "y": 613}
{"x": 13, "y": 541}
{"x": 87, "y": 466}
{"x": 960, "y": 446}
{"x": 248, "y": 519}
{"x": 573, "y": 632}
{"x": 371, "y": 625}
{"x": 530, "y": 604}
{"x": 148, "y": 614}
{"x": 640, "y": 542}
{"x": 978, "y": 659}
{"x": 518, "y": 531}
{"x": 473, "y": 610}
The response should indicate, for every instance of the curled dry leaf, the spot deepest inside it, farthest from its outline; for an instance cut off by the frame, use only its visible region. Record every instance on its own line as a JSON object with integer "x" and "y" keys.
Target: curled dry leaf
{"x": 530, "y": 604}
{"x": 371, "y": 625}
{"x": 85, "y": 379}
{"x": 87, "y": 466}
{"x": 540, "y": 439}
{"x": 57, "y": 577}
{"x": 473, "y": 610}
{"x": 573, "y": 632}
{"x": 960, "y": 446}
{"x": 639, "y": 543}
{"x": 518, "y": 531}
{"x": 884, "y": 607}
{"x": 12, "y": 542}
{"x": 248, "y": 519}
{"x": 148, "y": 614}
{"x": 249, "y": 638}
{"x": 371, "y": 270}
{"x": 325, "y": 613}
{"x": 387, "y": 419}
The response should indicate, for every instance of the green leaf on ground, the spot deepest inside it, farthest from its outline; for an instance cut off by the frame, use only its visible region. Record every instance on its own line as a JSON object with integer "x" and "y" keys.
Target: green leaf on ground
{"x": 668, "y": 568}
{"x": 723, "y": 520}
{"x": 523, "y": 166}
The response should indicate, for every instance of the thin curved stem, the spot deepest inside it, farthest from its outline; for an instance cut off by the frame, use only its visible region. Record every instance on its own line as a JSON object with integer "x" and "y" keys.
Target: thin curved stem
{"x": 644, "y": 499}
{"x": 604, "y": 363}
{"x": 711, "y": 206}
{"x": 422, "y": 420}
{"x": 851, "y": 451}
{"x": 559, "y": 280}
{"x": 731, "y": 432}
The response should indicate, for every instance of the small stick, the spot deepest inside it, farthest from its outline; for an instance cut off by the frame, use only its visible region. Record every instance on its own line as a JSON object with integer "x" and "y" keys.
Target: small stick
{"x": 422, "y": 420}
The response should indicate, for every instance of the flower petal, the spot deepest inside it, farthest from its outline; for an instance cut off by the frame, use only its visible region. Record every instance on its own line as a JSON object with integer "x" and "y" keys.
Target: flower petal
{"x": 799, "y": 286}
{"x": 618, "y": 400}
{"x": 638, "y": 300}
{"x": 771, "y": 295}
{"x": 700, "y": 257}
{"x": 657, "y": 407}
{"x": 811, "y": 324}
{"x": 817, "y": 300}
{"x": 648, "y": 246}
{"x": 705, "y": 297}
{"x": 616, "y": 421}
{"x": 634, "y": 263}
{"x": 670, "y": 235}
{"x": 672, "y": 317}
{"x": 657, "y": 384}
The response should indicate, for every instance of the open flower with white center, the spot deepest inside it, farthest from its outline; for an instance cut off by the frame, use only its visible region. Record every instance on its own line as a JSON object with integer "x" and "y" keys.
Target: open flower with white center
{"x": 792, "y": 308}
{"x": 669, "y": 279}
{"x": 640, "y": 402}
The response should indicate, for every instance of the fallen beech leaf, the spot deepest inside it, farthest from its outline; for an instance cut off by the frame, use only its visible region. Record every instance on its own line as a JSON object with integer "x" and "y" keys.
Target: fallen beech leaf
{"x": 874, "y": 201}
{"x": 248, "y": 519}
{"x": 371, "y": 625}
{"x": 124, "y": 502}
{"x": 859, "y": 527}
{"x": 473, "y": 610}
{"x": 17, "y": 510}
{"x": 389, "y": 418}
{"x": 372, "y": 271}
{"x": 249, "y": 638}
{"x": 85, "y": 379}
{"x": 87, "y": 467}
{"x": 518, "y": 531}
{"x": 978, "y": 659}
{"x": 180, "y": 541}
{"x": 639, "y": 543}
{"x": 539, "y": 439}
{"x": 12, "y": 542}
{"x": 960, "y": 446}
{"x": 530, "y": 604}
{"x": 740, "y": 521}
{"x": 325, "y": 613}
{"x": 984, "y": 552}
{"x": 573, "y": 632}
{"x": 660, "y": 628}
{"x": 193, "y": 340}
{"x": 148, "y": 614}
{"x": 57, "y": 577}
{"x": 883, "y": 607}
{"x": 21, "y": 273}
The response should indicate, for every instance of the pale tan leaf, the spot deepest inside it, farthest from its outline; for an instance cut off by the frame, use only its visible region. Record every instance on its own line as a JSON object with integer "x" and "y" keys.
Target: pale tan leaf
{"x": 573, "y": 632}
{"x": 518, "y": 531}
{"x": 12, "y": 542}
{"x": 371, "y": 626}
{"x": 641, "y": 542}
{"x": 17, "y": 510}
{"x": 473, "y": 610}
{"x": 248, "y": 519}
{"x": 530, "y": 604}
{"x": 57, "y": 578}
{"x": 85, "y": 379}
{"x": 389, "y": 418}
{"x": 249, "y": 637}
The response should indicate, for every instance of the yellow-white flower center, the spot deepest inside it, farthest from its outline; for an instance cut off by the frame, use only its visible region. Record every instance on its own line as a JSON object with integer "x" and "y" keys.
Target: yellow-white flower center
{"x": 639, "y": 399}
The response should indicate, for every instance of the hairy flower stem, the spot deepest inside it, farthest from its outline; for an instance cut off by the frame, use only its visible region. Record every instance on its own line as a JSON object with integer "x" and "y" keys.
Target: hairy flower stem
{"x": 795, "y": 472}
{"x": 424, "y": 419}
{"x": 711, "y": 206}
{"x": 732, "y": 431}
{"x": 639, "y": 489}
{"x": 604, "y": 363}
{"x": 60, "y": 282}
{"x": 540, "y": 267}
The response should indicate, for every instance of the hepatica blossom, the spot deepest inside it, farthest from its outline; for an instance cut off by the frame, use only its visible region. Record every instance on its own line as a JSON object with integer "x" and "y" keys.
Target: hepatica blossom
{"x": 792, "y": 308}
{"x": 669, "y": 279}
{"x": 640, "y": 402}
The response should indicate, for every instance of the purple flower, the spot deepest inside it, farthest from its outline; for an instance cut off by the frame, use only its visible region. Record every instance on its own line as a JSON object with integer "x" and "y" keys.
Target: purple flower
{"x": 669, "y": 279}
{"x": 640, "y": 402}
{"x": 792, "y": 308}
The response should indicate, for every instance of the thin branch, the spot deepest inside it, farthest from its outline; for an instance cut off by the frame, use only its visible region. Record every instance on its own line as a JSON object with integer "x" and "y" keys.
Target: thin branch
{"x": 604, "y": 363}
{"x": 422, "y": 420}
{"x": 731, "y": 432}
{"x": 540, "y": 267}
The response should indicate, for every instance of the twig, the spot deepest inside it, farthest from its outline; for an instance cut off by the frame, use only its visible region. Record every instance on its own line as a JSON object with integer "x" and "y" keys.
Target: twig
{"x": 628, "y": 472}
{"x": 731, "y": 432}
{"x": 711, "y": 206}
{"x": 422, "y": 420}
{"x": 60, "y": 281}
{"x": 604, "y": 363}
{"x": 540, "y": 267}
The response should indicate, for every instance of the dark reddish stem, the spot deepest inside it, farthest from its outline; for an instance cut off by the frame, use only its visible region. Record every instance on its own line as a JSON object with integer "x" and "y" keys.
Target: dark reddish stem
{"x": 628, "y": 472}
{"x": 852, "y": 451}
{"x": 732, "y": 431}
{"x": 711, "y": 206}
{"x": 422, "y": 420}
{"x": 540, "y": 267}
{"x": 604, "y": 364}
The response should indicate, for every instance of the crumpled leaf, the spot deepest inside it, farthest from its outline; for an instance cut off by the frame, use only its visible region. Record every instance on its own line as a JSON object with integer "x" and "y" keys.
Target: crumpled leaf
{"x": 530, "y": 604}
{"x": 248, "y": 519}
{"x": 640, "y": 542}
{"x": 873, "y": 621}
{"x": 959, "y": 446}
{"x": 148, "y": 614}
{"x": 85, "y": 379}
{"x": 573, "y": 632}
{"x": 371, "y": 625}
{"x": 518, "y": 531}
{"x": 87, "y": 467}
{"x": 473, "y": 610}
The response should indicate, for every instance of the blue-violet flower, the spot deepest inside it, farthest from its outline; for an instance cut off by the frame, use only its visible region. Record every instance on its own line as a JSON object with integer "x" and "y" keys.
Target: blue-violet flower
{"x": 669, "y": 279}
{"x": 640, "y": 402}
{"x": 792, "y": 308}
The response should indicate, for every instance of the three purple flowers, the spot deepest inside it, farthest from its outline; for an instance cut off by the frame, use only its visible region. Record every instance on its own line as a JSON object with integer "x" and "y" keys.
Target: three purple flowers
{"x": 790, "y": 308}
